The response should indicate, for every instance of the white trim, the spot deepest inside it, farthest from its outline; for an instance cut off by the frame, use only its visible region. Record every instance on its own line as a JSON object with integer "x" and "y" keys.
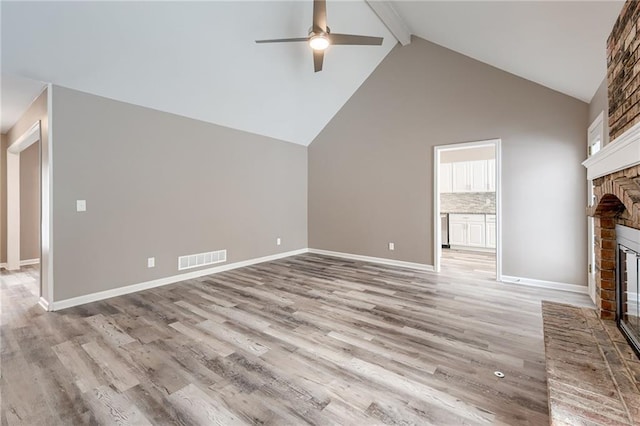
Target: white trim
{"x": 380, "y": 260}
{"x": 595, "y": 134}
{"x": 46, "y": 204}
{"x": 25, "y": 262}
{"x": 498, "y": 152}
{"x": 619, "y": 154}
{"x": 43, "y": 304}
{"x": 437, "y": 220}
{"x": 13, "y": 210}
{"x": 437, "y": 240}
{"x": 28, "y": 138}
{"x": 391, "y": 19}
{"x": 553, "y": 285}
{"x": 599, "y": 120}
{"x": 101, "y": 295}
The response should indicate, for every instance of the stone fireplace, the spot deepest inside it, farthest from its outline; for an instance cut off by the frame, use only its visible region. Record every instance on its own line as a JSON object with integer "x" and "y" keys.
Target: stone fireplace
{"x": 615, "y": 170}
{"x": 592, "y": 370}
{"x": 616, "y": 202}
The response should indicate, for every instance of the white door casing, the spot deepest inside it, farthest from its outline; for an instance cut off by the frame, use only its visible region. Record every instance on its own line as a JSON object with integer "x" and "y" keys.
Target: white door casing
{"x": 595, "y": 138}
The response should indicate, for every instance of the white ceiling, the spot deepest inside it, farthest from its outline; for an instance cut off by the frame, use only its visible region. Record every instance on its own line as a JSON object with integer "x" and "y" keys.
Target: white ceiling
{"x": 199, "y": 59}
{"x": 559, "y": 44}
{"x": 16, "y": 94}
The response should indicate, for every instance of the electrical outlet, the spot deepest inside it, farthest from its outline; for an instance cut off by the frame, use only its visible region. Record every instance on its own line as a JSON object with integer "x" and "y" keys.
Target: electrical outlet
{"x": 278, "y": 241}
{"x": 81, "y": 205}
{"x": 151, "y": 262}
{"x": 392, "y": 246}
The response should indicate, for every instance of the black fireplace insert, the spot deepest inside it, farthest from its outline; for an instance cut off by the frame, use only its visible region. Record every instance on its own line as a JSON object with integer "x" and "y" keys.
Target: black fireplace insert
{"x": 628, "y": 284}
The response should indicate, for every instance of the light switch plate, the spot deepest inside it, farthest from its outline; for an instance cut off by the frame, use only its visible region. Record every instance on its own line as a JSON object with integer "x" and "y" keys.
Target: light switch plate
{"x": 278, "y": 241}
{"x": 81, "y": 205}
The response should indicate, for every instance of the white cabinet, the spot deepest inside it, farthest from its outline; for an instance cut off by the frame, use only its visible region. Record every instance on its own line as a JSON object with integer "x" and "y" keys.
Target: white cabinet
{"x": 457, "y": 232}
{"x": 472, "y": 230}
{"x": 461, "y": 177}
{"x": 477, "y": 233}
{"x": 467, "y": 230}
{"x": 491, "y": 175}
{"x": 446, "y": 178}
{"x": 467, "y": 176}
{"x": 478, "y": 176}
{"x": 491, "y": 230}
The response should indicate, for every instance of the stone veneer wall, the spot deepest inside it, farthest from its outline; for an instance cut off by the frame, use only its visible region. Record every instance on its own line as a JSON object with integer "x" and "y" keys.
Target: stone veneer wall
{"x": 617, "y": 202}
{"x": 623, "y": 70}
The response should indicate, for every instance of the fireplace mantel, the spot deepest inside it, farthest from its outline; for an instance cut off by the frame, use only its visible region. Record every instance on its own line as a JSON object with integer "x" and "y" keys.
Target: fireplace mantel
{"x": 621, "y": 153}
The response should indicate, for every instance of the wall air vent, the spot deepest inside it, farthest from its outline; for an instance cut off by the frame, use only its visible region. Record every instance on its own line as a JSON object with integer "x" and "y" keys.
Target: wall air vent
{"x": 201, "y": 259}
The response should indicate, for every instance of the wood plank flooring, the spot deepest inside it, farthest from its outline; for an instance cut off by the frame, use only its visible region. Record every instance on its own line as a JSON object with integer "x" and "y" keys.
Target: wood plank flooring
{"x": 308, "y": 339}
{"x": 474, "y": 264}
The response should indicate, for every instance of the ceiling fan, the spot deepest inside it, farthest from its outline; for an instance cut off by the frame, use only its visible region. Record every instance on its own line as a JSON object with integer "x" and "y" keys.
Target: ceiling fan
{"x": 320, "y": 36}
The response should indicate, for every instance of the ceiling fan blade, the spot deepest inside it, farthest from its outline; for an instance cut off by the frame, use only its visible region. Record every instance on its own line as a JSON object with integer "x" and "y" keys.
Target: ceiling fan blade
{"x": 283, "y": 40}
{"x": 355, "y": 39}
{"x": 318, "y": 57}
{"x": 320, "y": 15}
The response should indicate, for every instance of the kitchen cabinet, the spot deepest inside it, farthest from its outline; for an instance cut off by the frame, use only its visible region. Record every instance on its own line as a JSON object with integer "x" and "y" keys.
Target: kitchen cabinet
{"x": 472, "y": 230}
{"x": 467, "y": 176}
{"x": 478, "y": 176}
{"x": 491, "y": 230}
{"x": 467, "y": 230}
{"x": 446, "y": 178}
{"x": 491, "y": 175}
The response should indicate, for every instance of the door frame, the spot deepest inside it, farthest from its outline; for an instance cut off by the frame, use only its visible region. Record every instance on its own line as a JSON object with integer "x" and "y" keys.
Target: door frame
{"x": 595, "y": 136}
{"x": 437, "y": 232}
{"x": 45, "y": 133}
{"x": 28, "y": 138}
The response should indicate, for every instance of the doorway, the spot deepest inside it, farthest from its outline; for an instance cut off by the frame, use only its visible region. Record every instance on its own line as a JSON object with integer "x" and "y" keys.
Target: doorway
{"x": 23, "y": 207}
{"x": 467, "y": 205}
{"x": 595, "y": 142}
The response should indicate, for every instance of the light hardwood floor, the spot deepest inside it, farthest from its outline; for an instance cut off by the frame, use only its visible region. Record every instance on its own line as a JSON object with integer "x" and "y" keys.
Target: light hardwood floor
{"x": 306, "y": 339}
{"x": 474, "y": 264}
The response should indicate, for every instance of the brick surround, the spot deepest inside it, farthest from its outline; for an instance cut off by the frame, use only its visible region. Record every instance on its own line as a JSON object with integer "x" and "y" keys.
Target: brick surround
{"x": 623, "y": 70}
{"x": 617, "y": 202}
{"x": 617, "y": 195}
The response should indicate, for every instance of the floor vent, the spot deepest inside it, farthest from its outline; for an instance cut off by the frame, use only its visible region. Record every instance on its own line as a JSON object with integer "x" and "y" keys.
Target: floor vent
{"x": 201, "y": 259}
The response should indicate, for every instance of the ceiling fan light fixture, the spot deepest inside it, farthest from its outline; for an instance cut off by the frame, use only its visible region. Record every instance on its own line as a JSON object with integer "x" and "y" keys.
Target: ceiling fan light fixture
{"x": 319, "y": 42}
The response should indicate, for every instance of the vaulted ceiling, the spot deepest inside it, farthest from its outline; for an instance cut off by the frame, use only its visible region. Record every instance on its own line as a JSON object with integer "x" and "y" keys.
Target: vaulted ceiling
{"x": 199, "y": 59}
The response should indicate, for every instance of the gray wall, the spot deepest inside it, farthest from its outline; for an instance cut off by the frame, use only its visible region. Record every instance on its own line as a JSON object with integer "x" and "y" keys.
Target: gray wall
{"x": 29, "y": 181}
{"x": 30, "y": 202}
{"x": 371, "y": 168}
{"x": 162, "y": 185}
{"x": 599, "y": 103}
{"x": 3, "y": 198}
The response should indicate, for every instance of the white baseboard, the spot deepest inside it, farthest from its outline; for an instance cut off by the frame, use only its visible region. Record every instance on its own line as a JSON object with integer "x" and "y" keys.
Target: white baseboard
{"x": 381, "y": 260}
{"x": 25, "y": 262}
{"x": 574, "y": 288}
{"x": 107, "y": 294}
{"x": 43, "y": 304}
